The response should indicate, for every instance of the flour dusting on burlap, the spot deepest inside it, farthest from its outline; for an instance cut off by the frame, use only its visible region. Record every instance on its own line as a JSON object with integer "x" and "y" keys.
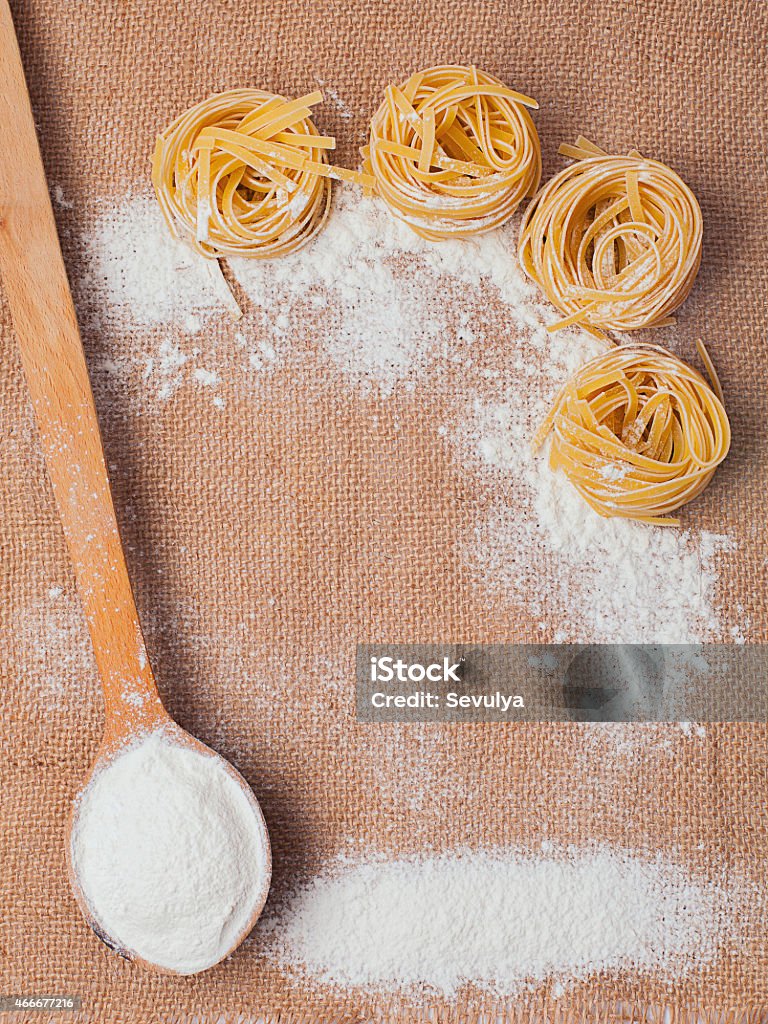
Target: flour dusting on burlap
{"x": 303, "y": 512}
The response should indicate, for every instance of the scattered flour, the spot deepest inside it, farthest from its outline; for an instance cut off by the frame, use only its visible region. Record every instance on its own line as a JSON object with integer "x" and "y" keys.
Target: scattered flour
{"x": 692, "y": 728}
{"x": 389, "y": 309}
{"x": 208, "y": 378}
{"x": 166, "y": 369}
{"x": 380, "y": 300}
{"x": 503, "y": 921}
{"x": 605, "y": 580}
{"x": 59, "y": 198}
{"x": 138, "y": 274}
{"x": 170, "y": 853}
{"x": 330, "y": 93}
{"x": 608, "y": 750}
{"x": 55, "y": 657}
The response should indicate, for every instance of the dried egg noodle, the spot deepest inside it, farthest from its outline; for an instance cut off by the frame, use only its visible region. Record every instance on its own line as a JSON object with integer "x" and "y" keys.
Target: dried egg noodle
{"x": 453, "y": 151}
{"x": 245, "y": 173}
{"x": 614, "y": 241}
{"x": 638, "y": 432}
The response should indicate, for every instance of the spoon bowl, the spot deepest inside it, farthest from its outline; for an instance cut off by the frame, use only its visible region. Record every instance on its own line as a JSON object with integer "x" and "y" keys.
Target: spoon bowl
{"x": 111, "y": 748}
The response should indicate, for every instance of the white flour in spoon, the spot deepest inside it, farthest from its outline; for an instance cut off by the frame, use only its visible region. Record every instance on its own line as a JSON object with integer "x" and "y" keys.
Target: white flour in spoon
{"x": 170, "y": 854}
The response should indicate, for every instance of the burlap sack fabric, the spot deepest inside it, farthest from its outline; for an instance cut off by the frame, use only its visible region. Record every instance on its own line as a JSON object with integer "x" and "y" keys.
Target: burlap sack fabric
{"x": 258, "y": 540}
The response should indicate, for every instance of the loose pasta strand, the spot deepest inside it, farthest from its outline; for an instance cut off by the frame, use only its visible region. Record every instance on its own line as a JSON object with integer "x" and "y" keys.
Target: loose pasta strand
{"x": 452, "y": 151}
{"x": 638, "y": 432}
{"x": 245, "y": 173}
{"x": 613, "y": 241}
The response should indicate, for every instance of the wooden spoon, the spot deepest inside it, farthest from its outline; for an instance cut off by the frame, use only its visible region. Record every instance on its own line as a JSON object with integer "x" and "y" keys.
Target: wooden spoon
{"x": 39, "y": 298}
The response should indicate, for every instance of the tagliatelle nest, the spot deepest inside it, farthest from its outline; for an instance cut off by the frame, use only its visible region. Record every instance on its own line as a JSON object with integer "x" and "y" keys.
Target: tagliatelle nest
{"x": 614, "y": 241}
{"x": 245, "y": 173}
{"x": 453, "y": 151}
{"x": 638, "y": 432}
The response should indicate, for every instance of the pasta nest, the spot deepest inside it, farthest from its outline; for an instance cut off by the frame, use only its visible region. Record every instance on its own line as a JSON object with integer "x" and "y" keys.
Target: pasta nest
{"x": 614, "y": 241}
{"x": 245, "y": 173}
{"x": 638, "y": 432}
{"x": 453, "y": 151}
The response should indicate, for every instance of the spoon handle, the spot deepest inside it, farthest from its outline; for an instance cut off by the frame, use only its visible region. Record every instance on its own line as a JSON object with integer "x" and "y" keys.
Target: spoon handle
{"x": 39, "y": 298}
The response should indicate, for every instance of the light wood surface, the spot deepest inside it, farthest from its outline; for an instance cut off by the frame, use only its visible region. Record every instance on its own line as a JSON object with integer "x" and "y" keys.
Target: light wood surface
{"x": 37, "y": 290}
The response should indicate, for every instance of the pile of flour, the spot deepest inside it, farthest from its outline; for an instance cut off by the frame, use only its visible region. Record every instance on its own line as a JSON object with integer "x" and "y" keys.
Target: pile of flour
{"x": 501, "y": 921}
{"x": 170, "y": 853}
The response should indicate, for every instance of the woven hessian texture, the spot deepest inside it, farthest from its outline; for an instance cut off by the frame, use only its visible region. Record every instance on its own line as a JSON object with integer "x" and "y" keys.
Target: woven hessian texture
{"x": 262, "y": 551}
